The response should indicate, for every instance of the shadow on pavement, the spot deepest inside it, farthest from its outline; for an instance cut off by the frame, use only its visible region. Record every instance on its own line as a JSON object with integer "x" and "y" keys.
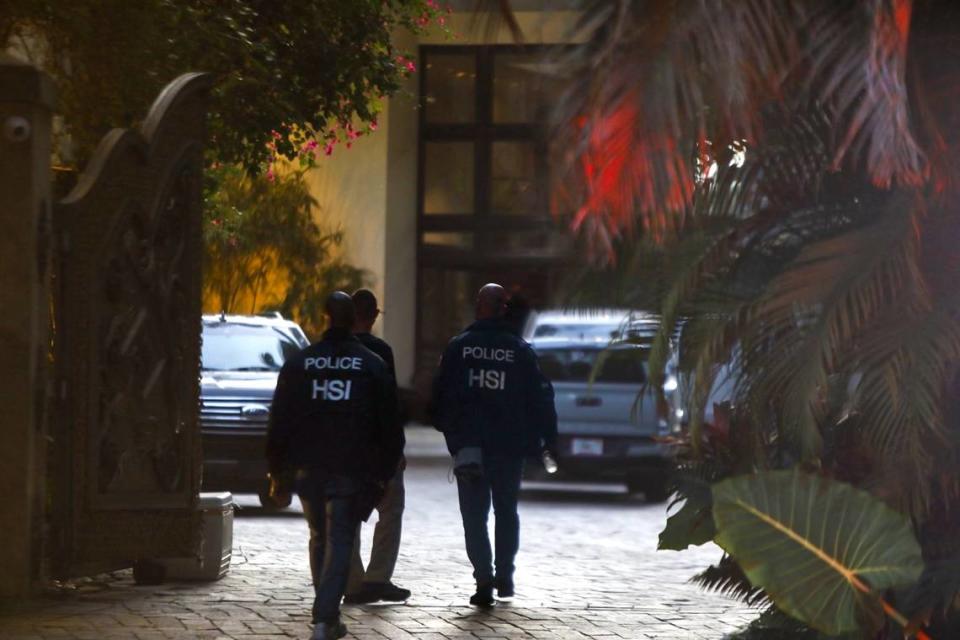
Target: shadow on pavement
{"x": 260, "y": 512}
{"x": 580, "y": 496}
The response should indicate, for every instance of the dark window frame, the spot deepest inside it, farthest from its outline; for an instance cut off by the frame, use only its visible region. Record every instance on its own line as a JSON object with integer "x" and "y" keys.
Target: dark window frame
{"x": 482, "y": 223}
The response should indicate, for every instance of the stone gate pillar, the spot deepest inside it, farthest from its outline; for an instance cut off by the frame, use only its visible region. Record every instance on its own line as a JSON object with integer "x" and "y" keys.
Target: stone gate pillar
{"x": 26, "y": 104}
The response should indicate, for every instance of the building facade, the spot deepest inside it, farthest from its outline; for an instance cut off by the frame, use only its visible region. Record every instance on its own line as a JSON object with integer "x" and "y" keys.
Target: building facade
{"x": 450, "y": 191}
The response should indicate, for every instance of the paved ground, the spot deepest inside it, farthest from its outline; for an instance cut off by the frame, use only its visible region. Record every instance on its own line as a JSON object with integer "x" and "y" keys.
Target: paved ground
{"x": 588, "y": 568}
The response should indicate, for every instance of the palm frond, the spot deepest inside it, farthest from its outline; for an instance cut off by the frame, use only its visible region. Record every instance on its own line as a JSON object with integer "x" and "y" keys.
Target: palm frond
{"x": 728, "y": 579}
{"x": 660, "y": 79}
{"x": 859, "y": 70}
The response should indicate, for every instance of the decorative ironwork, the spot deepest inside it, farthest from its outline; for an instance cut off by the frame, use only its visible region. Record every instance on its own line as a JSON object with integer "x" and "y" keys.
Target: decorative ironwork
{"x": 128, "y": 309}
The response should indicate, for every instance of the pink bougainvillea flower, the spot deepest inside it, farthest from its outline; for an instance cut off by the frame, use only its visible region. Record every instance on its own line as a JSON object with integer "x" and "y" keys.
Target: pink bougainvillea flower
{"x": 271, "y": 176}
{"x": 373, "y": 125}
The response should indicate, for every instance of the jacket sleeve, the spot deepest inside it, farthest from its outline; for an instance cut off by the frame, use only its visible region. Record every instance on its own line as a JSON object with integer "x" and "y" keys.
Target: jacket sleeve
{"x": 442, "y": 408}
{"x": 446, "y": 405}
{"x": 282, "y": 421}
{"x": 388, "y": 360}
{"x": 390, "y": 431}
{"x": 541, "y": 409}
{"x": 400, "y": 413}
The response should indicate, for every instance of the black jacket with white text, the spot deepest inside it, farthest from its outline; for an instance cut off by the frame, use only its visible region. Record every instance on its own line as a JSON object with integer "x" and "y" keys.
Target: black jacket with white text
{"x": 489, "y": 392}
{"x": 334, "y": 411}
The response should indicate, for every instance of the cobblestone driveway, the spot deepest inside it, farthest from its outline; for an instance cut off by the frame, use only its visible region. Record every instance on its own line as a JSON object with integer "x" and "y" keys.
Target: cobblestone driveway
{"x": 588, "y": 568}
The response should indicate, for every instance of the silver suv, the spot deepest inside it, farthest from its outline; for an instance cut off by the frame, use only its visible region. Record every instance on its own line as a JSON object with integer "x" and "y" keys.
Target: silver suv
{"x": 610, "y": 424}
{"x": 241, "y": 359}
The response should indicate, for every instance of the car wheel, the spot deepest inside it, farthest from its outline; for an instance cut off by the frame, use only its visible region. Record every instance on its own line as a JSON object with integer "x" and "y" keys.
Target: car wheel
{"x": 653, "y": 489}
{"x": 656, "y": 491}
{"x": 635, "y": 485}
{"x": 269, "y": 503}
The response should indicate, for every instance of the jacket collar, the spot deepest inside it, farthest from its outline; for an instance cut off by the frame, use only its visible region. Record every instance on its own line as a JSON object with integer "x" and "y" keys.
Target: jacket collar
{"x": 489, "y": 324}
{"x": 336, "y": 333}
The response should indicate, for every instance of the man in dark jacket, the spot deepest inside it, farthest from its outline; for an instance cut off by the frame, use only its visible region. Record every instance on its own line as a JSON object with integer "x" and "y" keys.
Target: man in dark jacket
{"x": 333, "y": 423}
{"x": 490, "y": 397}
{"x": 373, "y": 583}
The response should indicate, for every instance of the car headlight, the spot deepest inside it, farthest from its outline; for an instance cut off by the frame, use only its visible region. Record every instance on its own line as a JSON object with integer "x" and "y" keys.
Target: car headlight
{"x": 670, "y": 384}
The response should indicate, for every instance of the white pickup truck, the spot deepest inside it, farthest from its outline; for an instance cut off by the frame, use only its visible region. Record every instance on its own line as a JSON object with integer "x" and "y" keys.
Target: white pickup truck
{"x": 611, "y": 426}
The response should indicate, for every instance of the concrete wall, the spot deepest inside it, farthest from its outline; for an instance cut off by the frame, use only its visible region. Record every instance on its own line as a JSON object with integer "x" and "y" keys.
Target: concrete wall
{"x": 400, "y": 276}
{"x": 26, "y": 103}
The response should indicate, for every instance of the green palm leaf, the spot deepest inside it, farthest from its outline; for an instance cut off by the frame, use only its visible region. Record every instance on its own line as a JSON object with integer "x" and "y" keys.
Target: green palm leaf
{"x": 820, "y": 549}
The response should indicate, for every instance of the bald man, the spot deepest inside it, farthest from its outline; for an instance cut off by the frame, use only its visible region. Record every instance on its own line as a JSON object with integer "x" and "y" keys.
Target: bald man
{"x": 495, "y": 408}
{"x": 333, "y": 422}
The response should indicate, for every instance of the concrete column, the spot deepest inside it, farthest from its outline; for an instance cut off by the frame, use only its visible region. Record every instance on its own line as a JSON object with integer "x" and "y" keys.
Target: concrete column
{"x": 26, "y": 104}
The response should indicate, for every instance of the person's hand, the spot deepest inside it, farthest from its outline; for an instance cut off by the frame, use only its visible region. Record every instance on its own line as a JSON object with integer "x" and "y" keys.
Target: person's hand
{"x": 403, "y": 463}
{"x": 551, "y": 448}
{"x": 278, "y": 492}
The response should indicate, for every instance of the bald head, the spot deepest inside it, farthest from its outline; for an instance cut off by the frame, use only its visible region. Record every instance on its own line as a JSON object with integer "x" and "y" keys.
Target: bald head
{"x": 339, "y": 309}
{"x": 491, "y": 301}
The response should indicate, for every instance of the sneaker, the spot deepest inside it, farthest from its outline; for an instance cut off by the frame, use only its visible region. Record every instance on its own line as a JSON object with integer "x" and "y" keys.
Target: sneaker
{"x": 365, "y": 595}
{"x": 329, "y": 631}
{"x": 484, "y": 596}
{"x": 389, "y": 592}
{"x": 504, "y": 587}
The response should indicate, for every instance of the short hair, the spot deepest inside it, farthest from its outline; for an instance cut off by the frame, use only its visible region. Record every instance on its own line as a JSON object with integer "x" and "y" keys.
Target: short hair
{"x": 339, "y": 308}
{"x": 365, "y": 304}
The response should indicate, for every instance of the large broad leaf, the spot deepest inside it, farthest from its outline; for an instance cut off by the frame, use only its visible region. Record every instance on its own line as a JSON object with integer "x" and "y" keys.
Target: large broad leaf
{"x": 820, "y": 549}
{"x": 691, "y": 525}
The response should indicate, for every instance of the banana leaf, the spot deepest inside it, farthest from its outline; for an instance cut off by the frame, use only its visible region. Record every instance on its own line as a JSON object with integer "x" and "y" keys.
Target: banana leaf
{"x": 691, "y": 525}
{"x": 822, "y": 550}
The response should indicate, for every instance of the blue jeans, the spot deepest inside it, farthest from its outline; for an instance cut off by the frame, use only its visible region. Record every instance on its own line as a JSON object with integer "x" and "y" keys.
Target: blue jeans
{"x": 501, "y": 483}
{"x": 330, "y": 507}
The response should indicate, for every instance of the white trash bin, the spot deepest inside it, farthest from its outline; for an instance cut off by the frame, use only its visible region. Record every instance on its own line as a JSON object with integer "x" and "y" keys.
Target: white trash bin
{"x": 216, "y": 545}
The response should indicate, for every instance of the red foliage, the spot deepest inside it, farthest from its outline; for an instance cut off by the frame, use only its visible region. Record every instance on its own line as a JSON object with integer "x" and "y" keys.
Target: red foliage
{"x": 631, "y": 173}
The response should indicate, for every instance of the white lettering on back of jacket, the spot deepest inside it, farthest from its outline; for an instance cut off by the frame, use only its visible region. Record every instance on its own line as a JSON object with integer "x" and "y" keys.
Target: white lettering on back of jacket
{"x": 332, "y": 389}
{"x": 488, "y": 377}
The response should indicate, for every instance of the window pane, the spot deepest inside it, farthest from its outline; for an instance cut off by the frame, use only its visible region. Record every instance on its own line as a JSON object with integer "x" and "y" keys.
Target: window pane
{"x": 513, "y": 176}
{"x": 455, "y": 239}
{"x": 620, "y": 366}
{"x": 450, "y": 89}
{"x": 531, "y": 243}
{"x": 448, "y": 179}
{"x": 524, "y": 87}
{"x": 446, "y": 304}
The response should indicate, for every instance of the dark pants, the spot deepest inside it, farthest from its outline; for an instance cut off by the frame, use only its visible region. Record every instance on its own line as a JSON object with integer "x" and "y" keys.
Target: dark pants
{"x": 330, "y": 507}
{"x": 501, "y": 483}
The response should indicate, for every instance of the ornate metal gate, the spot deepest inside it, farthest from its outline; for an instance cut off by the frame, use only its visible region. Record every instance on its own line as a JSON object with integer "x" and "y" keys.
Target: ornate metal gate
{"x": 125, "y": 465}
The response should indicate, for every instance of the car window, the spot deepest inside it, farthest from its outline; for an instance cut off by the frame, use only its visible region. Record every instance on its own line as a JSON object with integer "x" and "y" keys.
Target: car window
{"x": 237, "y": 347}
{"x": 576, "y": 365}
{"x": 577, "y": 330}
